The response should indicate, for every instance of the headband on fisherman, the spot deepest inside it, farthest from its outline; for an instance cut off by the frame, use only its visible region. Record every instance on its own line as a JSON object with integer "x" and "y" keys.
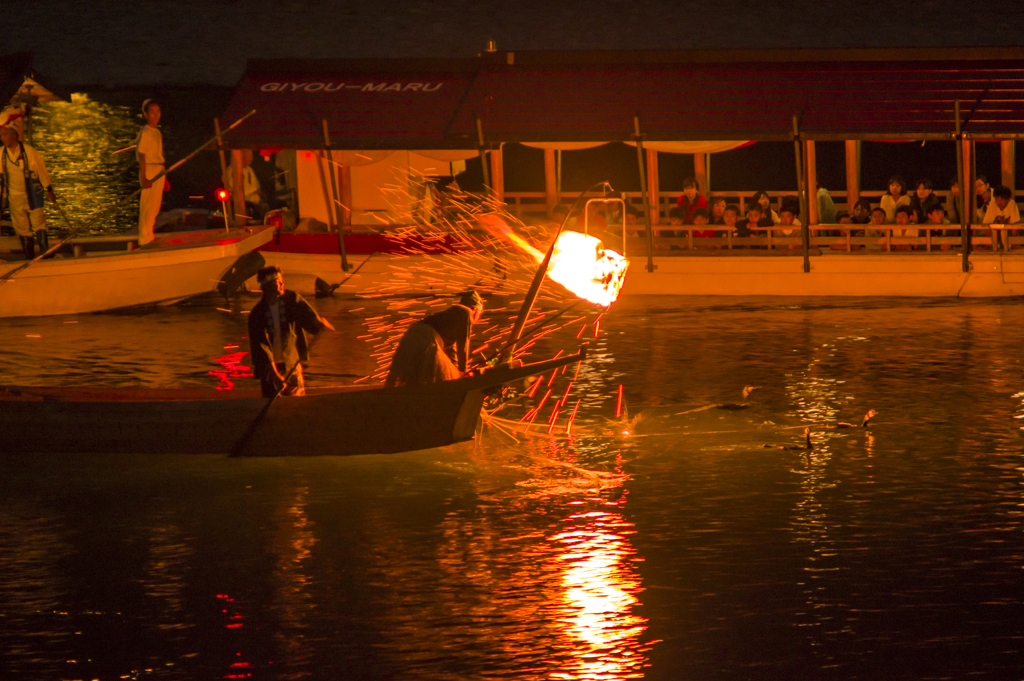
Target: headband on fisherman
{"x": 145, "y": 106}
{"x": 471, "y": 299}
{"x": 268, "y": 274}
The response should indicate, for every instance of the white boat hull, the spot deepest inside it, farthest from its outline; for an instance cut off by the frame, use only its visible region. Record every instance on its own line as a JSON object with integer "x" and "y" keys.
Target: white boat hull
{"x": 172, "y": 270}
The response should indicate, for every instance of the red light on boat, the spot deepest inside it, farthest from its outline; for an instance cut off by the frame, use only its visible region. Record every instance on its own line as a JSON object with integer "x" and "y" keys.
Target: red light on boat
{"x": 222, "y": 194}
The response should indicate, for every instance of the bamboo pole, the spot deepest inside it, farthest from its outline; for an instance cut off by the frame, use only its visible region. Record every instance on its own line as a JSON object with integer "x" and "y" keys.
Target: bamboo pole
{"x": 960, "y": 143}
{"x": 238, "y": 195}
{"x": 480, "y": 150}
{"x": 498, "y": 174}
{"x": 653, "y": 190}
{"x": 550, "y": 180}
{"x": 1007, "y": 160}
{"x": 801, "y": 180}
{"x": 334, "y": 194}
{"x": 228, "y": 219}
{"x": 812, "y": 217}
{"x": 852, "y": 173}
{"x": 643, "y": 189}
{"x": 345, "y": 177}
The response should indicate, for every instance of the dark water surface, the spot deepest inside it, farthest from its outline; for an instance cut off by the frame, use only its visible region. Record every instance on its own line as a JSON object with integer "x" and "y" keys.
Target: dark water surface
{"x": 686, "y": 550}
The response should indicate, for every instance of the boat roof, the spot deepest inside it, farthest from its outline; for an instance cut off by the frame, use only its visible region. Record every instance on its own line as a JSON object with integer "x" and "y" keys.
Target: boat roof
{"x": 684, "y": 95}
{"x": 20, "y": 83}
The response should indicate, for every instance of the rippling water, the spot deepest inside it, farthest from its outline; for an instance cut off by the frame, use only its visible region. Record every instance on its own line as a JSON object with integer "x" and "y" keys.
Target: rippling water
{"x": 687, "y": 549}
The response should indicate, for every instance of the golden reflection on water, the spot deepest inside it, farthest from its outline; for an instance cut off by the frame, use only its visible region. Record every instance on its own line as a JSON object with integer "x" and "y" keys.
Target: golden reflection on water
{"x": 295, "y": 606}
{"x": 166, "y": 571}
{"x": 77, "y": 140}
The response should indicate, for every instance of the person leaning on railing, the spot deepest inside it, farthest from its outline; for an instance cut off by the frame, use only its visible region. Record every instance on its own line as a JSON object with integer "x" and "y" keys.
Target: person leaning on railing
{"x": 923, "y": 199}
{"x": 904, "y": 219}
{"x": 1002, "y": 210}
{"x": 896, "y": 197}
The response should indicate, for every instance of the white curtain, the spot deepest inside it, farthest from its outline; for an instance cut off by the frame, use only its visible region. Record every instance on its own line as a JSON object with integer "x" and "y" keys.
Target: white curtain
{"x": 693, "y": 147}
{"x": 563, "y": 146}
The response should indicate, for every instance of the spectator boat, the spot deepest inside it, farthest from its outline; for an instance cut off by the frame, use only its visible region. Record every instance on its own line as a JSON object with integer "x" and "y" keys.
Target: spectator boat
{"x": 86, "y": 276}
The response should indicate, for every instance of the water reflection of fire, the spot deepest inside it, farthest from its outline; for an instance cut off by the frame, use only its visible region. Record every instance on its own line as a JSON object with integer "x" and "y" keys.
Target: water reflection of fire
{"x": 579, "y": 262}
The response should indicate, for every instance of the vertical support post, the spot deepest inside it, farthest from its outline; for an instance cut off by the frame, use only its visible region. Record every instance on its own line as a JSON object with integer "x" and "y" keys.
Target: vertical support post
{"x": 700, "y": 172}
{"x": 498, "y": 174}
{"x": 1007, "y": 162}
{"x": 852, "y": 173}
{"x": 653, "y": 188}
{"x": 643, "y": 189}
{"x": 972, "y": 170}
{"x": 345, "y": 177}
{"x": 550, "y": 180}
{"x": 228, "y": 219}
{"x": 238, "y": 194}
{"x": 812, "y": 217}
{"x": 481, "y": 151}
{"x": 558, "y": 178}
{"x": 334, "y": 195}
{"x": 801, "y": 182}
{"x": 707, "y": 173}
{"x": 965, "y": 239}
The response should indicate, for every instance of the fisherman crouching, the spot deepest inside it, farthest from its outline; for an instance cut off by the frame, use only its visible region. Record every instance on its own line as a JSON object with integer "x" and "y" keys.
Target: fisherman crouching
{"x": 424, "y": 354}
{"x": 278, "y": 325}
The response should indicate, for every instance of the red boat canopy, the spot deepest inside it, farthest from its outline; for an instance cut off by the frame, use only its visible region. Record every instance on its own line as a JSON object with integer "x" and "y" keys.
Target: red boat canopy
{"x": 594, "y": 96}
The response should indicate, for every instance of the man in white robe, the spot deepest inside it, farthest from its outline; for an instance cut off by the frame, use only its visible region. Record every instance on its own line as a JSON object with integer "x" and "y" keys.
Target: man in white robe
{"x": 149, "y": 151}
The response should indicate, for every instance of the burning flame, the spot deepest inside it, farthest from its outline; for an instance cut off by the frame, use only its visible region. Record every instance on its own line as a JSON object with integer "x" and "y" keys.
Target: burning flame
{"x": 579, "y": 262}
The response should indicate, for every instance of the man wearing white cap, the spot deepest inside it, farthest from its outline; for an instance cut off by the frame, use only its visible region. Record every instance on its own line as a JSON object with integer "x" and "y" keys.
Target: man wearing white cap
{"x": 149, "y": 150}
{"x": 24, "y": 182}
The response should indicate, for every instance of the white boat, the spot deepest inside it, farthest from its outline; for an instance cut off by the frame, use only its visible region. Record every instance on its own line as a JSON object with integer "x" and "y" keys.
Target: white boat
{"x": 78, "y": 279}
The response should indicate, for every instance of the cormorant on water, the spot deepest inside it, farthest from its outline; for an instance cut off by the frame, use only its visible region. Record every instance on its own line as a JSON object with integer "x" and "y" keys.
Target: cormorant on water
{"x": 863, "y": 424}
{"x": 805, "y": 447}
{"x": 733, "y": 406}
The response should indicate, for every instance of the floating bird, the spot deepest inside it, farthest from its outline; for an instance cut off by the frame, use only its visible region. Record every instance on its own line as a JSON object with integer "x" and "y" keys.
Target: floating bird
{"x": 734, "y": 406}
{"x": 321, "y": 289}
{"x": 806, "y": 446}
{"x": 863, "y": 424}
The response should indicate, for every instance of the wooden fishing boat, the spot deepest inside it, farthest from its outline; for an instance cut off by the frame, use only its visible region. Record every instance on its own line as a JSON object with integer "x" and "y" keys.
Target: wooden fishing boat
{"x": 173, "y": 267}
{"x": 335, "y": 421}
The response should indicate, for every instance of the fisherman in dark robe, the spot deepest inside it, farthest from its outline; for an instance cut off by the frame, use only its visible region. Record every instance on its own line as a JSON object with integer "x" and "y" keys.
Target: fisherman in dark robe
{"x": 437, "y": 347}
{"x": 278, "y": 325}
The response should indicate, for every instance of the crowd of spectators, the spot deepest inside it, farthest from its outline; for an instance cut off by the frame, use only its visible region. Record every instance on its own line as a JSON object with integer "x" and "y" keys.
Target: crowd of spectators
{"x": 900, "y": 210}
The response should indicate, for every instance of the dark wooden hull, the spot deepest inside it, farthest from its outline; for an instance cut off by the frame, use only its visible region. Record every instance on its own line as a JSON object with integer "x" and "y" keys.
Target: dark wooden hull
{"x": 325, "y": 422}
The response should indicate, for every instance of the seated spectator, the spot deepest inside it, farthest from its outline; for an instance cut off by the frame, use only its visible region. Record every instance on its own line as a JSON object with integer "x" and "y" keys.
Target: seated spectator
{"x": 904, "y": 216}
{"x": 747, "y": 227}
{"x": 937, "y": 216}
{"x": 675, "y": 219}
{"x": 789, "y": 222}
{"x": 897, "y": 196}
{"x": 718, "y": 205}
{"x": 613, "y": 214}
{"x": 729, "y": 218}
{"x": 595, "y": 220}
{"x": 700, "y": 217}
{"x": 923, "y": 199}
{"x": 768, "y": 216}
{"x": 1002, "y": 210}
{"x": 983, "y": 190}
{"x": 843, "y": 218}
{"x": 861, "y": 212}
{"x": 953, "y": 209}
{"x": 690, "y": 200}
{"x": 826, "y": 207}
{"x": 255, "y": 200}
{"x": 878, "y": 219}
{"x": 560, "y": 213}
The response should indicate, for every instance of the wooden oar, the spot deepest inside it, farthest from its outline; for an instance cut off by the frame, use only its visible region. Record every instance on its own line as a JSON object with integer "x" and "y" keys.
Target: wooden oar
{"x": 53, "y": 249}
{"x": 243, "y": 443}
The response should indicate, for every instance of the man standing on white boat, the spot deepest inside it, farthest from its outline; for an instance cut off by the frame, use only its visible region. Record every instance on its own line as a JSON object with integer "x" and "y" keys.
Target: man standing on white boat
{"x": 23, "y": 183}
{"x": 149, "y": 150}
{"x": 278, "y": 325}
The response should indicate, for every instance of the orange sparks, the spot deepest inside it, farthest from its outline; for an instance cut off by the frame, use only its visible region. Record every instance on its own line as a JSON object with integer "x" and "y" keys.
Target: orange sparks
{"x": 572, "y": 417}
{"x": 618, "y": 403}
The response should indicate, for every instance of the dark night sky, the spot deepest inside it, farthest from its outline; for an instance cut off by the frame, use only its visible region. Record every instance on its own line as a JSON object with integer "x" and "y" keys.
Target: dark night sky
{"x": 133, "y": 42}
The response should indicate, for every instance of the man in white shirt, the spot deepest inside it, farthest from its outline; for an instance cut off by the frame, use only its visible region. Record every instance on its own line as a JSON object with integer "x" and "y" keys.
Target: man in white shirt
{"x": 24, "y": 182}
{"x": 255, "y": 199}
{"x": 1002, "y": 210}
{"x": 149, "y": 151}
